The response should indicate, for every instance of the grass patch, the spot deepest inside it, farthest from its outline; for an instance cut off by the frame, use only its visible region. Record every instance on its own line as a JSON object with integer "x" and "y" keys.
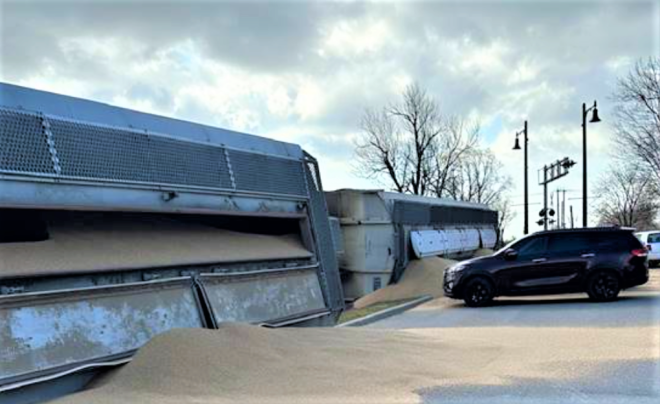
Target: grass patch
{"x": 352, "y": 314}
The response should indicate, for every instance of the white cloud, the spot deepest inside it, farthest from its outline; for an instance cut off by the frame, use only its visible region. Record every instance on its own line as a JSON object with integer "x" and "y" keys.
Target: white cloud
{"x": 304, "y": 73}
{"x": 355, "y": 37}
{"x": 618, "y": 63}
{"x": 484, "y": 59}
{"x": 310, "y": 99}
{"x": 525, "y": 71}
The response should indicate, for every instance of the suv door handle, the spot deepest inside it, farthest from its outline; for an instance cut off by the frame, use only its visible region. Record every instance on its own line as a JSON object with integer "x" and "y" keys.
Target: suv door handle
{"x": 590, "y": 255}
{"x": 539, "y": 260}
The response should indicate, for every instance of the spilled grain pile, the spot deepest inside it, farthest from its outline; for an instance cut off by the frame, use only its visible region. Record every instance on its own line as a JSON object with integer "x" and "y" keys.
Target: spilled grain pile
{"x": 421, "y": 277}
{"x": 246, "y": 364}
{"x": 249, "y": 364}
{"x": 95, "y": 243}
{"x": 483, "y": 252}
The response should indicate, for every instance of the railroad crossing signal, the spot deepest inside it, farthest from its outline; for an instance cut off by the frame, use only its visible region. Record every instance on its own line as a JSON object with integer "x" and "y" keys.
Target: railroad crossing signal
{"x": 551, "y": 173}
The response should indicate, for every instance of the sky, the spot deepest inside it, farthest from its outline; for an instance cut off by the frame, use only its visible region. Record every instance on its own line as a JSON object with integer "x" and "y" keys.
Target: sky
{"x": 304, "y": 72}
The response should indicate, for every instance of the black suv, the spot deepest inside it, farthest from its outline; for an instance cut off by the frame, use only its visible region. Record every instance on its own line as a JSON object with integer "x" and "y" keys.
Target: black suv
{"x": 599, "y": 261}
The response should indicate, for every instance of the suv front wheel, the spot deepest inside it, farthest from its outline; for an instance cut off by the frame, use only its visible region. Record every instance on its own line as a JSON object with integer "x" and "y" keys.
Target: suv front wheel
{"x": 603, "y": 286}
{"x": 478, "y": 292}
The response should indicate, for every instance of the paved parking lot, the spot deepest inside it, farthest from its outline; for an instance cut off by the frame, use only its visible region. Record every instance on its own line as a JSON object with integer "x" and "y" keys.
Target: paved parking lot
{"x": 554, "y": 349}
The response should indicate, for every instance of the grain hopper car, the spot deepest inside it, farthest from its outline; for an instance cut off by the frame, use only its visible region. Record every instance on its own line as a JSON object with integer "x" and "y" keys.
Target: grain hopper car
{"x": 382, "y": 231}
{"x": 117, "y": 225}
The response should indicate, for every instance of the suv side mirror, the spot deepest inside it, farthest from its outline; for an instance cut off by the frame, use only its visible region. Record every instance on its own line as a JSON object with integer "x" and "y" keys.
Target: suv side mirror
{"x": 510, "y": 254}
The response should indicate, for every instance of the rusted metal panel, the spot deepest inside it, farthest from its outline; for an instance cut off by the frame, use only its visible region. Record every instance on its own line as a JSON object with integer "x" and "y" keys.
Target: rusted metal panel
{"x": 260, "y": 298}
{"x": 43, "y": 333}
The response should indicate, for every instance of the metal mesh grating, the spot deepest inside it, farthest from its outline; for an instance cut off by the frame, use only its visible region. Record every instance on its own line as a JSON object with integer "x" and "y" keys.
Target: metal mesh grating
{"x": 188, "y": 163}
{"x": 328, "y": 268}
{"x": 23, "y": 144}
{"x": 88, "y": 151}
{"x": 411, "y": 213}
{"x": 260, "y": 173}
{"x": 423, "y": 214}
{"x": 462, "y": 215}
{"x": 91, "y": 151}
{"x": 337, "y": 237}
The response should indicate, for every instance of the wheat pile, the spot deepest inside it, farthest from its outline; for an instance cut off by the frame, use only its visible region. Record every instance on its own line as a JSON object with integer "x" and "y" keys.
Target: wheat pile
{"x": 248, "y": 364}
{"x": 94, "y": 243}
{"x": 421, "y": 277}
{"x": 483, "y": 252}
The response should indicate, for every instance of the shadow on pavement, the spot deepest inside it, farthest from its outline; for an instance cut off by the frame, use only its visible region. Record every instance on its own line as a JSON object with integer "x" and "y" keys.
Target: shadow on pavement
{"x": 545, "y": 300}
{"x": 610, "y": 381}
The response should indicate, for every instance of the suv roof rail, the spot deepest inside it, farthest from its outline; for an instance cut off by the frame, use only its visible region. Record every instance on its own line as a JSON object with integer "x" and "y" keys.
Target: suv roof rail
{"x": 589, "y": 229}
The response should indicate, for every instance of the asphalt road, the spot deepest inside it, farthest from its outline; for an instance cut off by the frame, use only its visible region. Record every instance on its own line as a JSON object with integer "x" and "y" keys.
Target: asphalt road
{"x": 553, "y": 349}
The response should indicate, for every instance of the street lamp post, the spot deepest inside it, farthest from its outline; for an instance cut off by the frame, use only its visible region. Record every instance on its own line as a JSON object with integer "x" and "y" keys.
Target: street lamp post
{"x": 517, "y": 147}
{"x": 594, "y": 118}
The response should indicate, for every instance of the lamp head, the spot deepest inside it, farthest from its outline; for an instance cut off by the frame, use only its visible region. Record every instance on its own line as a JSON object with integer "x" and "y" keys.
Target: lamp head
{"x": 594, "y": 116}
{"x": 517, "y": 145}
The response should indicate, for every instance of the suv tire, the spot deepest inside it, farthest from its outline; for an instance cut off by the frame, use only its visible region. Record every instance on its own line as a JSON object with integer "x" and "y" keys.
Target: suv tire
{"x": 603, "y": 286}
{"x": 478, "y": 292}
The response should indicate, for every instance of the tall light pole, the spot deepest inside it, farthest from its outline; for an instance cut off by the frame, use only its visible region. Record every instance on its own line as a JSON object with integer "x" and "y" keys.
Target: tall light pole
{"x": 594, "y": 118}
{"x": 517, "y": 147}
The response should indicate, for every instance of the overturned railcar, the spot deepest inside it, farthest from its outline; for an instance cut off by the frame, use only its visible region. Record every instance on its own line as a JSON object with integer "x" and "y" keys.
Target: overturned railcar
{"x": 117, "y": 225}
{"x": 382, "y": 231}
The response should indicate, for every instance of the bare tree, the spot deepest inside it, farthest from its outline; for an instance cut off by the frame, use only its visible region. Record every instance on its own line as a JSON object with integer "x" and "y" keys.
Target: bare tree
{"x": 627, "y": 197}
{"x": 420, "y": 120}
{"x": 411, "y": 145}
{"x": 637, "y": 115}
{"x": 382, "y": 151}
{"x": 459, "y": 140}
{"x": 504, "y": 216}
{"x": 479, "y": 178}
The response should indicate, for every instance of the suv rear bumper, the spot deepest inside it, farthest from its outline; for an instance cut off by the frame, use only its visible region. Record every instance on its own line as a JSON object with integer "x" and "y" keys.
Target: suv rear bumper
{"x": 638, "y": 276}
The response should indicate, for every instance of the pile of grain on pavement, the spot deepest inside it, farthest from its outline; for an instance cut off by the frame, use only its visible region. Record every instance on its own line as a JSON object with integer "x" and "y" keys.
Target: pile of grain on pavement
{"x": 248, "y": 364}
{"x": 421, "y": 277}
{"x": 483, "y": 252}
{"x": 96, "y": 243}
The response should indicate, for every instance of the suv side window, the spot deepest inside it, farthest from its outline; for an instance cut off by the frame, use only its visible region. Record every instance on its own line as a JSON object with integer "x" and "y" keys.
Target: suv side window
{"x": 653, "y": 238}
{"x": 570, "y": 242}
{"x": 617, "y": 241}
{"x": 531, "y": 247}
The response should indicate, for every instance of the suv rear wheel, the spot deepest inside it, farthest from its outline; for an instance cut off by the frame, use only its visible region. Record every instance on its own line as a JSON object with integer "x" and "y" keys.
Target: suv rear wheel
{"x": 478, "y": 292}
{"x": 603, "y": 286}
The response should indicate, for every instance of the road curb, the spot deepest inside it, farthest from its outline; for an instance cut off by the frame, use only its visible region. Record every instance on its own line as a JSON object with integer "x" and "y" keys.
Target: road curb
{"x": 380, "y": 315}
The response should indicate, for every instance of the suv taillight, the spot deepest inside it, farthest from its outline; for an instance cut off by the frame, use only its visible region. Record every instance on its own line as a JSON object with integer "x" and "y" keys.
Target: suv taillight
{"x": 640, "y": 252}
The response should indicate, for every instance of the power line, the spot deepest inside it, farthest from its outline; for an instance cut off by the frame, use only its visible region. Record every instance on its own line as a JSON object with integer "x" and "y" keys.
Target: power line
{"x": 522, "y": 204}
{"x": 580, "y": 198}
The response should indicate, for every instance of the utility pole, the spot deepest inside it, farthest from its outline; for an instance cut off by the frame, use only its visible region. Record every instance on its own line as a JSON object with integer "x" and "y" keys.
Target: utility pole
{"x": 517, "y": 147}
{"x": 545, "y": 197}
{"x": 584, "y": 164}
{"x": 594, "y": 118}
{"x": 572, "y": 225}
{"x": 558, "y": 224}
{"x": 563, "y": 210}
{"x": 551, "y": 173}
